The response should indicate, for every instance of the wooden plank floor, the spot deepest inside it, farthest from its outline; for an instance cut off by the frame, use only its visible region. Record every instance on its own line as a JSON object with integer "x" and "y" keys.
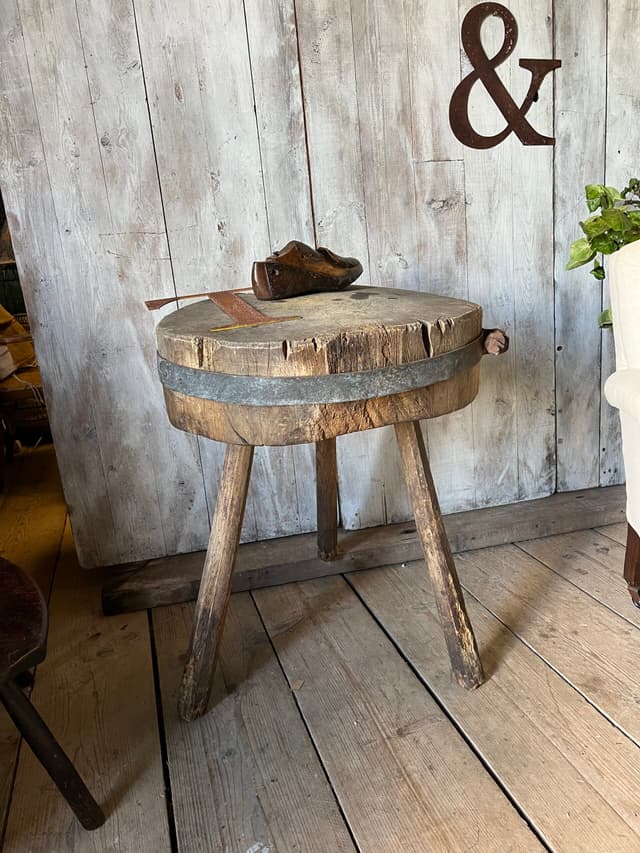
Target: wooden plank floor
{"x": 336, "y": 724}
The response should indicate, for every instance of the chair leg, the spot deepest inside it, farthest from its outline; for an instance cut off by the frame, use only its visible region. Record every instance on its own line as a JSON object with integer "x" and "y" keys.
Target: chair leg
{"x": 51, "y": 756}
{"x": 215, "y": 587}
{"x": 458, "y": 633}
{"x": 327, "y": 498}
{"x": 632, "y": 565}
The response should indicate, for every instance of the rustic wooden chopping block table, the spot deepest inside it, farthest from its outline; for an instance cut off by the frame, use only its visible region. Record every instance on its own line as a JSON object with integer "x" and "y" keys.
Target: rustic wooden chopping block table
{"x": 339, "y": 363}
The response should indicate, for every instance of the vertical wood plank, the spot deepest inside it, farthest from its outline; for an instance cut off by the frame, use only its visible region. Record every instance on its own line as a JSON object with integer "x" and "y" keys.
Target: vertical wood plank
{"x": 198, "y": 80}
{"x": 386, "y": 139}
{"x": 273, "y": 51}
{"x": 215, "y": 163}
{"x": 441, "y": 229}
{"x": 45, "y": 274}
{"x": 442, "y": 252}
{"x": 580, "y": 99}
{"x": 433, "y": 33}
{"x": 510, "y": 251}
{"x": 623, "y": 141}
{"x": 488, "y": 187}
{"x": 533, "y": 256}
{"x": 332, "y": 108}
{"x": 137, "y": 248}
{"x": 111, "y": 230}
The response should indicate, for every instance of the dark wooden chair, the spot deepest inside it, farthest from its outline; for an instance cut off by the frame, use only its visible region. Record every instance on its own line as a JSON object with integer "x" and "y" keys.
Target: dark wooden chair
{"x": 23, "y": 635}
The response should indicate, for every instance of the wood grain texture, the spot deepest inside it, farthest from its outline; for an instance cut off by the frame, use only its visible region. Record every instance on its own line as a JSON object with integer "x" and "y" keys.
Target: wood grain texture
{"x": 332, "y": 92}
{"x": 362, "y": 328}
{"x": 382, "y": 73}
{"x": 434, "y": 72}
{"x": 176, "y": 579}
{"x": 533, "y": 257}
{"x": 150, "y": 151}
{"x": 113, "y": 743}
{"x": 442, "y": 257}
{"x": 596, "y": 653}
{"x": 590, "y": 561}
{"x": 564, "y": 765}
{"x": 617, "y": 532}
{"x": 215, "y": 588}
{"x": 373, "y": 722}
{"x": 215, "y": 165}
{"x": 44, "y": 272}
{"x": 579, "y": 97}
{"x": 281, "y": 506}
{"x": 274, "y": 425}
{"x": 110, "y": 226}
{"x": 458, "y": 633}
{"x": 327, "y": 498}
{"x": 489, "y": 207}
{"x": 246, "y": 775}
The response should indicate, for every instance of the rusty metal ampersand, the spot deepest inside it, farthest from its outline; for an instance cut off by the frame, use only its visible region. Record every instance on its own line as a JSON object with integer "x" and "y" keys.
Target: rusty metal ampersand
{"x": 484, "y": 71}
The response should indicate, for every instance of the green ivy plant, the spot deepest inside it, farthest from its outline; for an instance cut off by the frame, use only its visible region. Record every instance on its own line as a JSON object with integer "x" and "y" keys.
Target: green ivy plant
{"x": 616, "y": 225}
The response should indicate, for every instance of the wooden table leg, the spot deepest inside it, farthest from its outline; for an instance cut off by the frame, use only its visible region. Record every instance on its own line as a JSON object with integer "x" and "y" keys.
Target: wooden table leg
{"x": 327, "y": 498}
{"x": 47, "y": 750}
{"x": 461, "y": 643}
{"x": 215, "y": 587}
{"x": 632, "y": 565}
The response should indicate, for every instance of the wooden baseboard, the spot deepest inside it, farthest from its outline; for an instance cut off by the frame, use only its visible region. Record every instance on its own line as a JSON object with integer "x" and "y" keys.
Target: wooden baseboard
{"x": 170, "y": 580}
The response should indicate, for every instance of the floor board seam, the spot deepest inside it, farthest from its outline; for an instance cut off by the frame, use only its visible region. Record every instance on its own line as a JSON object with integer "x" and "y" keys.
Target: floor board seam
{"x": 451, "y": 719}
{"x": 307, "y": 729}
{"x": 162, "y": 738}
{"x": 558, "y": 672}
{"x": 575, "y": 585}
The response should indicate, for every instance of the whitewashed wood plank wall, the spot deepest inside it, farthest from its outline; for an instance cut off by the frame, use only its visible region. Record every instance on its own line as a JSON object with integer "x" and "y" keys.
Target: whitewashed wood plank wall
{"x": 151, "y": 147}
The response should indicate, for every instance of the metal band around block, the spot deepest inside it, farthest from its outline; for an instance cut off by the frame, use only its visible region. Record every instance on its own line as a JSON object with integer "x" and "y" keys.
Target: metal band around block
{"x": 328, "y": 388}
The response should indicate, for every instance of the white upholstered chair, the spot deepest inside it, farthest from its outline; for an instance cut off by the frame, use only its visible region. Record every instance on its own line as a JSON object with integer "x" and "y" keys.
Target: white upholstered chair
{"x": 622, "y": 390}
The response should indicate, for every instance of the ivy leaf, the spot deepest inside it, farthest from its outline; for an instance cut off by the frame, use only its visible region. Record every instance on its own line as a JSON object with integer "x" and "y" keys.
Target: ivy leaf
{"x": 616, "y": 219}
{"x": 605, "y": 243}
{"x": 598, "y": 271}
{"x": 612, "y": 195}
{"x": 595, "y": 225}
{"x": 594, "y": 193}
{"x": 605, "y": 319}
{"x": 580, "y": 252}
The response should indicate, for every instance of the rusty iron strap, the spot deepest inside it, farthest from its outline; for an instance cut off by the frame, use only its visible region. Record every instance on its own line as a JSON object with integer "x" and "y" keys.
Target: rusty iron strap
{"x": 244, "y": 316}
{"x": 305, "y": 390}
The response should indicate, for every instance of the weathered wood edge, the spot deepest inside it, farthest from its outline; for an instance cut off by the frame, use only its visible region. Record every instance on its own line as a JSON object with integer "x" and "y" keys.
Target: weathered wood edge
{"x": 170, "y": 580}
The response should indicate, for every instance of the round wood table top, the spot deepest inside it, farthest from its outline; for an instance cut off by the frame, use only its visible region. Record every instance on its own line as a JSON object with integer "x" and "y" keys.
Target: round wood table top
{"x": 234, "y": 378}
{"x": 358, "y": 329}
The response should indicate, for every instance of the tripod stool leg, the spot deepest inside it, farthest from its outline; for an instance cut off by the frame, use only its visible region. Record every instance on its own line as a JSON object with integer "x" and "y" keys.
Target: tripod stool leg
{"x": 461, "y": 643}
{"x": 327, "y": 498}
{"x": 48, "y": 751}
{"x": 215, "y": 587}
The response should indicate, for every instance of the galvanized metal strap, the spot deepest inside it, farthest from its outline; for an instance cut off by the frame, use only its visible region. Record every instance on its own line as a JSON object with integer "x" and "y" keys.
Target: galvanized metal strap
{"x": 328, "y": 388}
